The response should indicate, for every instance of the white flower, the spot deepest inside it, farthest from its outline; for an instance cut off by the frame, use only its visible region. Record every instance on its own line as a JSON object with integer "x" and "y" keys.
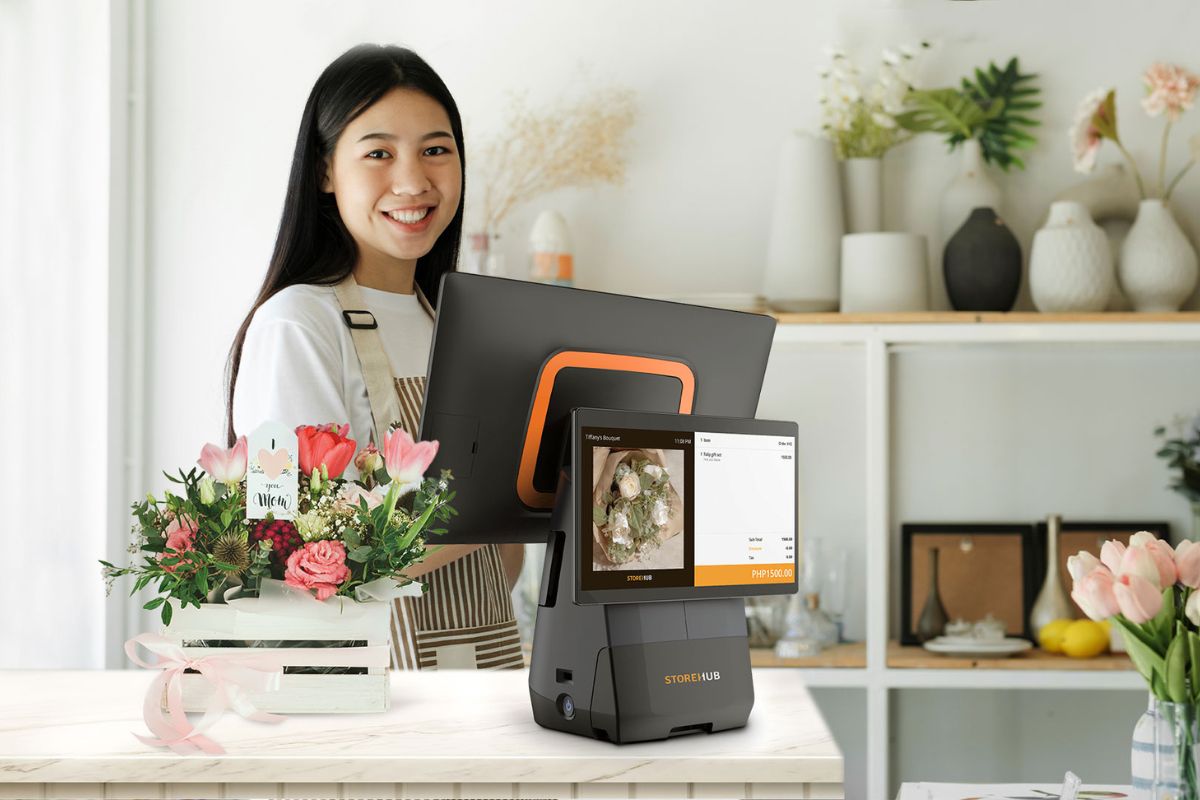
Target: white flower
{"x": 310, "y": 526}
{"x": 208, "y": 490}
{"x": 653, "y": 470}
{"x": 883, "y": 120}
{"x": 629, "y": 485}
{"x": 618, "y": 528}
{"x": 660, "y": 513}
{"x": 890, "y": 56}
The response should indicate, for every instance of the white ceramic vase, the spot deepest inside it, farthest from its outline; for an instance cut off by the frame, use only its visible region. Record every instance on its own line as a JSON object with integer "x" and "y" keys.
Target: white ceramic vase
{"x": 971, "y": 188}
{"x": 862, "y": 194}
{"x": 1158, "y": 266}
{"x": 804, "y": 243}
{"x": 1070, "y": 265}
{"x": 884, "y": 272}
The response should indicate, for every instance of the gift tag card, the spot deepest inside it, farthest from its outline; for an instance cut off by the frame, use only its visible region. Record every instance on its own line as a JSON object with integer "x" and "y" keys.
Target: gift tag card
{"x": 272, "y": 476}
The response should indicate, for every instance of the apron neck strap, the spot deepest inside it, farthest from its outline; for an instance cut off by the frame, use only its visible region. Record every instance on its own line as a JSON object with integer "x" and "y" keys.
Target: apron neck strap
{"x": 376, "y": 370}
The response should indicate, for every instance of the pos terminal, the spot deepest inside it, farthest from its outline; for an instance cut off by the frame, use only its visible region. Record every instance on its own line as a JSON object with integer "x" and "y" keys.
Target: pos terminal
{"x": 641, "y": 629}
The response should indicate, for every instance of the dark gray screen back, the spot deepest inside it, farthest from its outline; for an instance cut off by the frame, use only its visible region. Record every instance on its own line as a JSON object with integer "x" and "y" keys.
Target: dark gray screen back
{"x": 491, "y": 339}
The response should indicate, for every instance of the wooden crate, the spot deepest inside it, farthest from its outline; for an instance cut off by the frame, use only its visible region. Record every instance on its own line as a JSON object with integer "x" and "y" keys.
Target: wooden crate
{"x": 297, "y": 693}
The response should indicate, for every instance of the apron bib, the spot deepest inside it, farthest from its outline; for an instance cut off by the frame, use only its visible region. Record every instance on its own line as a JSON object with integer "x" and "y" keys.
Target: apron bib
{"x": 465, "y": 619}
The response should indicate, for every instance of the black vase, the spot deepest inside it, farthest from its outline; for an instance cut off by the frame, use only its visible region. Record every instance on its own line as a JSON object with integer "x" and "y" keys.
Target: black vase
{"x": 982, "y": 264}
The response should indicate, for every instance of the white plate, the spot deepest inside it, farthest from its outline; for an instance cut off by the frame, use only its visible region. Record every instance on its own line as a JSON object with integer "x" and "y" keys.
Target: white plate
{"x": 966, "y": 648}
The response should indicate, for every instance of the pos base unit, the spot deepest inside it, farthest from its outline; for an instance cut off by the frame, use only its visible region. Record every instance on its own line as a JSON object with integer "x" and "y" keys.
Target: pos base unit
{"x": 634, "y": 671}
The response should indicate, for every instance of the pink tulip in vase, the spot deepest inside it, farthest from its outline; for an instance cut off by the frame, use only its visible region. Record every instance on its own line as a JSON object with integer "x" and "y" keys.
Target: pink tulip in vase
{"x": 1148, "y": 591}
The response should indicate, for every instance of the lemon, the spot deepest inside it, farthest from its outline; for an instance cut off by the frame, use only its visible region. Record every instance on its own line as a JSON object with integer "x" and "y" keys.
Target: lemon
{"x": 1084, "y": 638}
{"x": 1050, "y": 637}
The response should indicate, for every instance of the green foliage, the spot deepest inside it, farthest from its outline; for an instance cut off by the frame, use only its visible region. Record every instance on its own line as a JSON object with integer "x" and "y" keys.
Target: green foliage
{"x": 993, "y": 108}
{"x": 1009, "y": 128}
{"x": 1182, "y": 453}
{"x": 946, "y": 111}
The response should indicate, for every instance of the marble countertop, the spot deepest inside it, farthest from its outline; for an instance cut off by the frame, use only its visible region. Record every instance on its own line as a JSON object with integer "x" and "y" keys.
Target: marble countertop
{"x": 442, "y": 727}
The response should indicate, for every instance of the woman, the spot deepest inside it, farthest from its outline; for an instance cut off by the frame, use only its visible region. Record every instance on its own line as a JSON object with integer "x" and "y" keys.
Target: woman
{"x": 341, "y": 329}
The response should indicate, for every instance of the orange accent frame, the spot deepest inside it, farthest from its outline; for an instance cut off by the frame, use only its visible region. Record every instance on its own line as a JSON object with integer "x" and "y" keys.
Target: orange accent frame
{"x": 581, "y": 360}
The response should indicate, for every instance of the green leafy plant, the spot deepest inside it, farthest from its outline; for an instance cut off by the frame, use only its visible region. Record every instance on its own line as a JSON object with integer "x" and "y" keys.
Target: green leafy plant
{"x": 993, "y": 108}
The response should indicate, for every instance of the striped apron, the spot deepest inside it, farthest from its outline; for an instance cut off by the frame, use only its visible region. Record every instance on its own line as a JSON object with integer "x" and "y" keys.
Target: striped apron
{"x": 465, "y": 619}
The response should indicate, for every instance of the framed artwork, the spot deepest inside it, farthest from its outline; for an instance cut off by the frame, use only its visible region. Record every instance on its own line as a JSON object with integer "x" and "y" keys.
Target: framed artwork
{"x": 982, "y": 569}
{"x": 1088, "y": 536}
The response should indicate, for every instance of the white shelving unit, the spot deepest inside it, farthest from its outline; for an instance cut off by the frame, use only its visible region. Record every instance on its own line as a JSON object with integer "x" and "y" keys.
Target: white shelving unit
{"x": 874, "y": 341}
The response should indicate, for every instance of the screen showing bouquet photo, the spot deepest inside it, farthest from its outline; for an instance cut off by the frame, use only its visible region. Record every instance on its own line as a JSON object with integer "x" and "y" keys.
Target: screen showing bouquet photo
{"x": 657, "y": 505}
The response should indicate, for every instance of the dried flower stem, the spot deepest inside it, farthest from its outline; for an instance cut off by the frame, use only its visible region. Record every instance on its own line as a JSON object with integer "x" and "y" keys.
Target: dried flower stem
{"x": 574, "y": 146}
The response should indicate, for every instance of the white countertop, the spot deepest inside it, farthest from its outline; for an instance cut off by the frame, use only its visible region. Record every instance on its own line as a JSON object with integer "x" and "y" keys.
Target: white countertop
{"x": 442, "y": 727}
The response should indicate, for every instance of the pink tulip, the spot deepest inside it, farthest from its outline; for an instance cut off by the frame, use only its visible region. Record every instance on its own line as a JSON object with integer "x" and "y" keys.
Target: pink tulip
{"x": 1164, "y": 556}
{"x": 1082, "y": 564}
{"x": 227, "y": 466}
{"x": 1138, "y": 598}
{"x": 1187, "y": 560}
{"x": 406, "y": 460}
{"x": 1140, "y": 561}
{"x": 1111, "y": 554}
{"x": 1191, "y": 609}
{"x": 1095, "y": 596}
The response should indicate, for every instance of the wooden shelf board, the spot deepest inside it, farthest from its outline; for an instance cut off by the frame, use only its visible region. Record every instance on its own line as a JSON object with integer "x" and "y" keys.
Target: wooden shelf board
{"x": 851, "y": 655}
{"x": 902, "y": 657}
{"x": 976, "y": 317}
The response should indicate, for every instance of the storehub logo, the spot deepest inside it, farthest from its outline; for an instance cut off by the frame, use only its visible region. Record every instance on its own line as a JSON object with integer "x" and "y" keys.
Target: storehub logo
{"x": 691, "y": 677}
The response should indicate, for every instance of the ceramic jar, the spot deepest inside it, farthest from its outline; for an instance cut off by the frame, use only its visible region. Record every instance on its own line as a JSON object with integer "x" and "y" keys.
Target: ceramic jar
{"x": 1070, "y": 264}
{"x": 1158, "y": 264}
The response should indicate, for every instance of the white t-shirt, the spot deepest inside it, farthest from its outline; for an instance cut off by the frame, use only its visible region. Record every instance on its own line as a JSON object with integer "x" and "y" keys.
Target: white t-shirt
{"x": 299, "y": 365}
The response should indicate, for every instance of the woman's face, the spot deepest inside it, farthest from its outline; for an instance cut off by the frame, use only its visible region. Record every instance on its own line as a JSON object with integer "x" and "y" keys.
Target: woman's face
{"x": 397, "y": 176}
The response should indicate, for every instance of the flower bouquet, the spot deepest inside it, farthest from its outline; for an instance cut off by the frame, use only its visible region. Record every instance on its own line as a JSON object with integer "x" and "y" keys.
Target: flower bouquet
{"x": 634, "y": 507}
{"x": 1148, "y": 591}
{"x": 314, "y": 591}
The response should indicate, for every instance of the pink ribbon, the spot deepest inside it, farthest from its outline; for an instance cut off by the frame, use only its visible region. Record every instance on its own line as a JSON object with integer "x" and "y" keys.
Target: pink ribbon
{"x": 232, "y": 677}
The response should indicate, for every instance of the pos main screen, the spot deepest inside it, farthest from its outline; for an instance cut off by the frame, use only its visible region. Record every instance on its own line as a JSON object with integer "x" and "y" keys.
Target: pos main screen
{"x": 681, "y": 507}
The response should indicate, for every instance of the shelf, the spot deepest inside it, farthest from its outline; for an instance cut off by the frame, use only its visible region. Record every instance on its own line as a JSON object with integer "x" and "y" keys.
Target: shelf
{"x": 979, "y": 317}
{"x": 852, "y": 655}
{"x": 903, "y": 657}
{"x": 968, "y": 327}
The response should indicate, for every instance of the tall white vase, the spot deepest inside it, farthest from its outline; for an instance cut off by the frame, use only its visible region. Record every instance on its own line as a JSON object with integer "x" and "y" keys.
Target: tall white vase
{"x": 804, "y": 243}
{"x": 862, "y": 194}
{"x": 1070, "y": 265}
{"x": 1158, "y": 266}
{"x": 971, "y": 188}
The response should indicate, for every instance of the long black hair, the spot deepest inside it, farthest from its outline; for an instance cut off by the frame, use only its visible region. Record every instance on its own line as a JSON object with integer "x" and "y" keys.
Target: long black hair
{"x": 313, "y": 245}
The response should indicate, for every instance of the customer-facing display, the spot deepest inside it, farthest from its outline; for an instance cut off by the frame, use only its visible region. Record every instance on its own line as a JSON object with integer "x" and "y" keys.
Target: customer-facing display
{"x": 685, "y": 513}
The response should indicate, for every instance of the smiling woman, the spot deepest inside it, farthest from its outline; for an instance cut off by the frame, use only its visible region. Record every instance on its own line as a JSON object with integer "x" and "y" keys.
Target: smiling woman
{"x": 341, "y": 329}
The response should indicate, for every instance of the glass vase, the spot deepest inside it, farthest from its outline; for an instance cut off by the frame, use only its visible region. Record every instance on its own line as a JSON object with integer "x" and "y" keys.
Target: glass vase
{"x": 1163, "y": 758}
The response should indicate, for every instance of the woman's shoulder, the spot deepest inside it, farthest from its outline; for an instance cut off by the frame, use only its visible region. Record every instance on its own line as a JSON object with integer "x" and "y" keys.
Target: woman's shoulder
{"x": 308, "y": 305}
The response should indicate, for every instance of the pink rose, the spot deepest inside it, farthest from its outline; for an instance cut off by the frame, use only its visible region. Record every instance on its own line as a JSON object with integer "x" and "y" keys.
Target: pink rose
{"x": 318, "y": 565}
{"x": 181, "y": 537}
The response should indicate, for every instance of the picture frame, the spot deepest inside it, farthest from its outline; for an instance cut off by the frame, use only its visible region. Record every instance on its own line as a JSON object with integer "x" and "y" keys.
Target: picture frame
{"x": 982, "y": 568}
{"x": 1085, "y": 535}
